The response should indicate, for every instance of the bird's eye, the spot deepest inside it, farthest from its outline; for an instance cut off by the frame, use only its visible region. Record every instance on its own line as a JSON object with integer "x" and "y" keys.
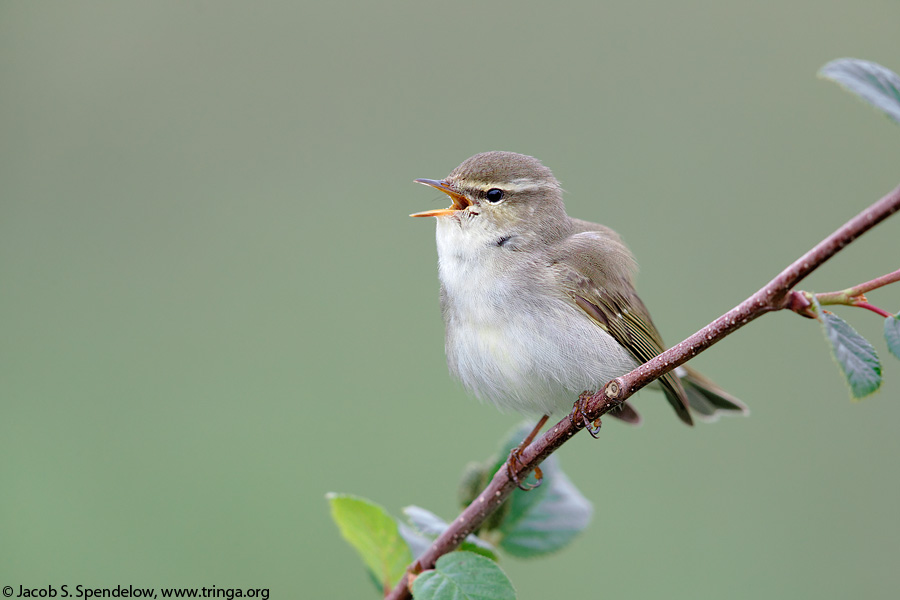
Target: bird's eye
{"x": 494, "y": 195}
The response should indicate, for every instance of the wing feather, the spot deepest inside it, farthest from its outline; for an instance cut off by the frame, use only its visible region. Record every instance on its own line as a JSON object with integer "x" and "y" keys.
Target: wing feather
{"x": 606, "y": 294}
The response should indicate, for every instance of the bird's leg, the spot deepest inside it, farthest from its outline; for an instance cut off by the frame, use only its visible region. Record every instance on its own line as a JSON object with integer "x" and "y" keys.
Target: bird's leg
{"x": 513, "y": 463}
{"x": 579, "y": 418}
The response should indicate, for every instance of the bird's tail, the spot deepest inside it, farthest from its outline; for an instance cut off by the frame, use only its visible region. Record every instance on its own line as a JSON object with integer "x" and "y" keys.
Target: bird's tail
{"x": 706, "y": 399}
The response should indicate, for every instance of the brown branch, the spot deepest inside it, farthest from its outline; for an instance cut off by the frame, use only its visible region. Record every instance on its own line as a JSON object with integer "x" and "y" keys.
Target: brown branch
{"x": 775, "y": 295}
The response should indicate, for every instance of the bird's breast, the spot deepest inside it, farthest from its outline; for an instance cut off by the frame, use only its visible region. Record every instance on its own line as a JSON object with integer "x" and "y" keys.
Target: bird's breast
{"x": 511, "y": 338}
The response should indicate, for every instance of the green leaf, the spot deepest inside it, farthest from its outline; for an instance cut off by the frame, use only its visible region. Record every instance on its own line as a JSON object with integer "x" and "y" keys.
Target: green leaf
{"x": 374, "y": 534}
{"x": 892, "y": 334}
{"x": 547, "y": 518}
{"x": 463, "y": 576}
{"x": 875, "y": 84}
{"x": 853, "y": 353}
{"x": 550, "y": 524}
{"x": 431, "y": 525}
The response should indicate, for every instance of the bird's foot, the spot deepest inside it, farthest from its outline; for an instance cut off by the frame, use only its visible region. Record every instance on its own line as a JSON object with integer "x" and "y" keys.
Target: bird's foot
{"x": 514, "y": 462}
{"x": 579, "y": 417}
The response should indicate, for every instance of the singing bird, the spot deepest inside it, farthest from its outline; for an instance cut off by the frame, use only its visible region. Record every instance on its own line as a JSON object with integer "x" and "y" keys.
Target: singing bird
{"x": 538, "y": 306}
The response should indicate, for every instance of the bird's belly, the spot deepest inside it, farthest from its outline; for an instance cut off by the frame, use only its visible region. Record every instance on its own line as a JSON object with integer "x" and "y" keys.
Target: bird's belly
{"x": 535, "y": 358}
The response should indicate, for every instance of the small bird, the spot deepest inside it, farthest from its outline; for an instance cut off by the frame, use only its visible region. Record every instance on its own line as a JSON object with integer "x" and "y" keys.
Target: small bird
{"x": 540, "y": 307}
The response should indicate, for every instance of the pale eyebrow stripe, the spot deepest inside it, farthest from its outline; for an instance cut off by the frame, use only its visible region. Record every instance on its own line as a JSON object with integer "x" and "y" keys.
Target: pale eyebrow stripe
{"x": 516, "y": 185}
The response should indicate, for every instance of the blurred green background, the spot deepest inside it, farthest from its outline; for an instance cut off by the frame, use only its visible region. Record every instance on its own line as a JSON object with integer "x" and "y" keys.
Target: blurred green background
{"x": 215, "y": 309}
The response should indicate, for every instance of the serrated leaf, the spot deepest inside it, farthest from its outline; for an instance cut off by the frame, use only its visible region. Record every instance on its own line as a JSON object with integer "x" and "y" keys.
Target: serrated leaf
{"x": 431, "y": 525}
{"x": 875, "y": 84}
{"x": 892, "y": 334}
{"x": 374, "y": 534}
{"x": 854, "y": 354}
{"x": 546, "y": 518}
{"x": 463, "y": 576}
{"x": 475, "y": 544}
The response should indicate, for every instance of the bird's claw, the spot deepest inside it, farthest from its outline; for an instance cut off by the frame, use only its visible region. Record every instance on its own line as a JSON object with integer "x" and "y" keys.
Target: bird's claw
{"x": 512, "y": 465}
{"x": 579, "y": 418}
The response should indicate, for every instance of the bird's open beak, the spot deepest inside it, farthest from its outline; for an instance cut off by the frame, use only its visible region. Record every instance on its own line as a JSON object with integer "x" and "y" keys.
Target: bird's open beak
{"x": 459, "y": 201}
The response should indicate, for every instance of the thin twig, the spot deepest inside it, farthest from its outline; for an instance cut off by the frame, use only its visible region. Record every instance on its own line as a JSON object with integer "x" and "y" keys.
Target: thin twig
{"x": 854, "y": 296}
{"x": 773, "y": 296}
{"x": 801, "y": 302}
{"x": 858, "y": 290}
{"x": 874, "y": 309}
